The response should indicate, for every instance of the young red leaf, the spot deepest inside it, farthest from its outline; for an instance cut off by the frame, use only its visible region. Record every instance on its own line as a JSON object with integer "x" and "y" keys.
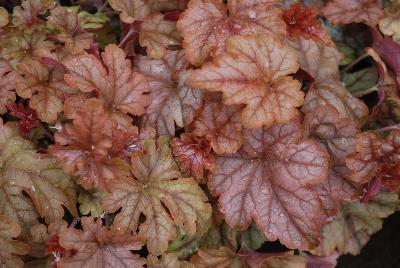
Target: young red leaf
{"x": 70, "y": 33}
{"x": 159, "y": 191}
{"x": 205, "y": 25}
{"x": 172, "y": 101}
{"x": 255, "y": 71}
{"x": 268, "y": 182}
{"x": 92, "y": 146}
{"x": 10, "y": 247}
{"x": 98, "y": 247}
{"x": 220, "y": 125}
{"x": 349, "y": 11}
{"x": 378, "y": 157}
{"x": 193, "y": 155}
{"x": 303, "y": 21}
{"x": 156, "y": 34}
{"x": 7, "y": 85}
{"x": 318, "y": 60}
{"x": 27, "y": 117}
{"x": 112, "y": 79}
{"x": 332, "y": 91}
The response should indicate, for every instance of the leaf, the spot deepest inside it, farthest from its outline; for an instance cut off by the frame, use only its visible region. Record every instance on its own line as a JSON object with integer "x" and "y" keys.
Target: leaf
{"x": 254, "y": 71}
{"x": 205, "y": 25}
{"x": 90, "y": 203}
{"x": 303, "y": 21}
{"x": 378, "y": 157}
{"x": 318, "y": 60}
{"x": 351, "y": 11}
{"x": 98, "y": 247}
{"x": 37, "y": 175}
{"x": 217, "y": 258}
{"x": 331, "y": 91}
{"x": 160, "y": 193}
{"x": 27, "y": 14}
{"x": 44, "y": 87}
{"x": 3, "y": 17}
{"x": 390, "y": 25}
{"x": 267, "y": 181}
{"x": 10, "y": 247}
{"x": 355, "y": 224}
{"x": 172, "y": 100}
{"x": 70, "y": 33}
{"x": 167, "y": 261}
{"x": 92, "y": 146}
{"x": 27, "y": 118}
{"x": 112, "y": 79}
{"x": 220, "y": 125}
{"x": 156, "y": 34}
{"x": 193, "y": 155}
{"x": 361, "y": 82}
{"x": 7, "y": 79}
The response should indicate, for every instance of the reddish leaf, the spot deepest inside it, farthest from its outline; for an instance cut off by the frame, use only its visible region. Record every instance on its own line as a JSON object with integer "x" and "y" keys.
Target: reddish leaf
{"x": 27, "y": 117}
{"x": 378, "y": 157}
{"x": 98, "y": 247}
{"x": 193, "y": 154}
{"x": 331, "y": 91}
{"x": 172, "y": 101}
{"x": 318, "y": 60}
{"x": 255, "y": 71}
{"x": 27, "y": 14}
{"x": 348, "y": 11}
{"x": 113, "y": 79}
{"x": 303, "y": 21}
{"x": 221, "y": 126}
{"x": 92, "y": 146}
{"x": 267, "y": 181}
{"x": 7, "y": 85}
{"x": 205, "y": 25}
{"x": 70, "y": 33}
{"x": 162, "y": 195}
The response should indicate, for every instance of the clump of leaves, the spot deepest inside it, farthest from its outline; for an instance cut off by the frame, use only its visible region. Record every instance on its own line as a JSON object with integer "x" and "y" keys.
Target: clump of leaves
{"x": 211, "y": 129}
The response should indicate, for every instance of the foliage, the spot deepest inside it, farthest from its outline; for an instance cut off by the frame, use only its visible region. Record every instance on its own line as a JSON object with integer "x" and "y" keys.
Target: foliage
{"x": 209, "y": 130}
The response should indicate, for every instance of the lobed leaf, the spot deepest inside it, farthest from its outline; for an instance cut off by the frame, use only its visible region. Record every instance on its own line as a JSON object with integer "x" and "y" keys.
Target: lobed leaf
{"x": 7, "y": 85}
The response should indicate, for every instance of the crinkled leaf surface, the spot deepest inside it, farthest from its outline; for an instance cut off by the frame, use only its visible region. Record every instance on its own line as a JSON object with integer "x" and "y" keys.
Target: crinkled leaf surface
{"x": 27, "y": 14}
{"x": 91, "y": 147}
{"x": 156, "y": 34}
{"x": 158, "y": 184}
{"x": 193, "y": 155}
{"x": 98, "y": 247}
{"x": 355, "y": 224}
{"x": 10, "y": 247}
{"x": 205, "y": 25}
{"x": 112, "y": 79}
{"x": 390, "y": 25}
{"x": 7, "y": 85}
{"x": 267, "y": 181}
{"x": 70, "y": 33}
{"x": 172, "y": 101}
{"x": 254, "y": 71}
{"x": 348, "y": 11}
{"x": 221, "y": 126}
{"x": 332, "y": 91}
{"x": 38, "y": 175}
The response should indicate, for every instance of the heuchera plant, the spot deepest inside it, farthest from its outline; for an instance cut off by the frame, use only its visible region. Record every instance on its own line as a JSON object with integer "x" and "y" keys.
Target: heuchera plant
{"x": 207, "y": 131}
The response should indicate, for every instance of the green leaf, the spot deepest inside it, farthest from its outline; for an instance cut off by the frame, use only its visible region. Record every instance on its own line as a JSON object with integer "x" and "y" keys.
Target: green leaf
{"x": 362, "y": 82}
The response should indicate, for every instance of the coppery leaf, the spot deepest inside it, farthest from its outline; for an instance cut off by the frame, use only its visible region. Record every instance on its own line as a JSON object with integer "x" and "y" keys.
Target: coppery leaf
{"x": 7, "y": 85}
{"x": 254, "y": 71}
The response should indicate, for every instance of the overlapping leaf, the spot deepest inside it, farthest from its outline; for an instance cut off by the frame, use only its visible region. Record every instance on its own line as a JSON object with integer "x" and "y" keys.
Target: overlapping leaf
{"x": 267, "y": 182}
{"x": 27, "y": 14}
{"x": 348, "y": 11}
{"x": 112, "y": 78}
{"x": 206, "y": 24}
{"x": 172, "y": 101}
{"x": 7, "y": 85}
{"x": 98, "y": 247}
{"x": 158, "y": 185}
{"x": 167, "y": 261}
{"x": 255, "y": 71}
{"x": 24, "y": 170}
{"x": 92, "y": 146}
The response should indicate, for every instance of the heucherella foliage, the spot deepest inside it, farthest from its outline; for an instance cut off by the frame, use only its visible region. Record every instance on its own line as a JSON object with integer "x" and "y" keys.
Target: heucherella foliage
{"x": 193, "y": 133}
